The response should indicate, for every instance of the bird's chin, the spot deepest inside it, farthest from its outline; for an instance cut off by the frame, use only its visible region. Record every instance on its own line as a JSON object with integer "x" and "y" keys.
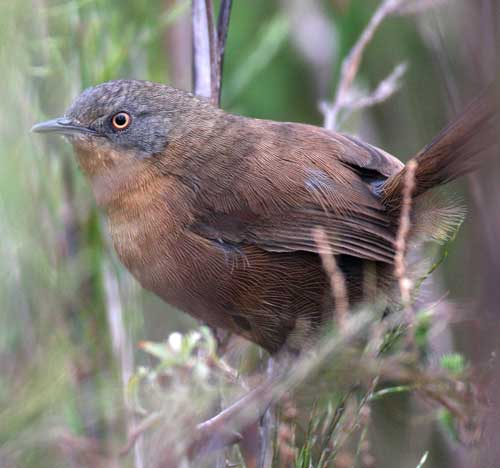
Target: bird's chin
{"x": 80, "y": 138}
{"x": 86, "y": 142}
{"x": 91, "y": 154}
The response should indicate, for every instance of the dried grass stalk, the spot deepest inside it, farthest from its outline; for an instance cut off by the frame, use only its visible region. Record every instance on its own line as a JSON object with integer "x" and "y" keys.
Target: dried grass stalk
{"x": 400, "y": 272}
{"x": 351, "y": 63}
{"x": 335, "y": 275}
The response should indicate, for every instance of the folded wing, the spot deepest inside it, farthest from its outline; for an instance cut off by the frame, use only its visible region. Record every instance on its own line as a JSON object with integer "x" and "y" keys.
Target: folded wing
{"x": 300, "y": 178}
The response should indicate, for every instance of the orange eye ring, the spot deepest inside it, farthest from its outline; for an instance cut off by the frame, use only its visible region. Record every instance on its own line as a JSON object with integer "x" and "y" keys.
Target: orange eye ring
{"x": 121, "y": 121}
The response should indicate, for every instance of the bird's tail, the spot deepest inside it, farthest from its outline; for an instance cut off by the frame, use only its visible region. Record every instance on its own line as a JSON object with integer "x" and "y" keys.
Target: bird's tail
{"x": 455, "y": 151}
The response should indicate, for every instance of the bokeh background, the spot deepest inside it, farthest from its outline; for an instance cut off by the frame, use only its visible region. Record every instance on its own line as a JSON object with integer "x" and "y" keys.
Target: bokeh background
{"x": 71, "y": 316}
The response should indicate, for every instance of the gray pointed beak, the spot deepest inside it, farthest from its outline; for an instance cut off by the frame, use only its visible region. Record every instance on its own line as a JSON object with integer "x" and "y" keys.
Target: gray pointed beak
{"x": 62, "y": 126}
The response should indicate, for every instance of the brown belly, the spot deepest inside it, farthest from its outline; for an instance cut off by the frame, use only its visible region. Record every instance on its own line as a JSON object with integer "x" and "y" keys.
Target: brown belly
{"x": 262, "y": 296}
{"x": 273, "y": 299}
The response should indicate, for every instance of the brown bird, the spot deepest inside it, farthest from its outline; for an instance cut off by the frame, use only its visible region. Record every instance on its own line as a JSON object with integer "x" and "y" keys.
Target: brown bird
{"x": 216, "y": 213}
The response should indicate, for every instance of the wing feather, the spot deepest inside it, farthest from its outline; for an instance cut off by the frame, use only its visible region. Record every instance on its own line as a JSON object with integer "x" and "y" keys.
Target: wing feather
{"x": 301, "y": 178}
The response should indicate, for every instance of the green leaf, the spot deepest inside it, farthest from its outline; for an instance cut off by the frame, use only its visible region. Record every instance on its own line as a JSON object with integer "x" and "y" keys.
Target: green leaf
{"x": 423, "y": 324}
{"x": 453, "y": 362}
{"x": 447, "y": 421}
{"x": 391, "y": 390}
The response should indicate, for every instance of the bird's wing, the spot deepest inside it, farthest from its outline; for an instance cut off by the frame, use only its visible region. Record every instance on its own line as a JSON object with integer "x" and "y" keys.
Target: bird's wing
{"x": 296, "y": 179}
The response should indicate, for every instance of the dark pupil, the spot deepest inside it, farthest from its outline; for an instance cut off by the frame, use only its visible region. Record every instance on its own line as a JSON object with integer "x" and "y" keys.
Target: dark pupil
{"x": 120, "y": 120}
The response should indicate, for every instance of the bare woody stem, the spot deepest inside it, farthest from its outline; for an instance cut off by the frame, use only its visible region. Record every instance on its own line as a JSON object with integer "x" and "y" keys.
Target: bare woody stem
{"x": 403, "y": 233}
{"x": 224, "y": 428}
{"x": 201, "y": 49}
{"x": 351, "y": 63}
{"x": 209, "y": 44}
{"x": 334, "y": 274}
{"x": 222, "y": 30}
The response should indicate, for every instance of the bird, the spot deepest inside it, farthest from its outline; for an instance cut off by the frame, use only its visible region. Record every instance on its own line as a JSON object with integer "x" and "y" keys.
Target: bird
{"x": 216, "y": 213}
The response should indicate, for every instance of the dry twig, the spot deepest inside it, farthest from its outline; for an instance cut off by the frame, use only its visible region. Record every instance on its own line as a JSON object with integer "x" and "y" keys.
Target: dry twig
{"x": 337, "y": 280}
{"x": 225, "y": 428}
{"x": 201, "y": 50}
{"x": 351, "y": 63}
{"x": 385, "y": 89}
{"x": 209, "y": 44}
{"x": 404, "y": 281}
{"x": 136, "y": 432}
{"x": 122, "y": 349}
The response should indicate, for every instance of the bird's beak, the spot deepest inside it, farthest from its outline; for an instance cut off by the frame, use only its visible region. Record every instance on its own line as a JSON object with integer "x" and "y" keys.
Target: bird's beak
{"x": 62, "y": 126}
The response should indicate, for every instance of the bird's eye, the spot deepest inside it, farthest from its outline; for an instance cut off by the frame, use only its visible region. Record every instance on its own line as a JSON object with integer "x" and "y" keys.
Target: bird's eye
{"x": 121, "y": 121}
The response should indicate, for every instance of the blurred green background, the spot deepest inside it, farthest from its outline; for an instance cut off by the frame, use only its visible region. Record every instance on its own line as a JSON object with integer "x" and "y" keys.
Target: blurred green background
{"x": 70, "y": 315}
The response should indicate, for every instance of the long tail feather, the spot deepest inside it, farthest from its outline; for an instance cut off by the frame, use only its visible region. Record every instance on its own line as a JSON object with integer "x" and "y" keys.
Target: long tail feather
{"x": 454, "y": 152}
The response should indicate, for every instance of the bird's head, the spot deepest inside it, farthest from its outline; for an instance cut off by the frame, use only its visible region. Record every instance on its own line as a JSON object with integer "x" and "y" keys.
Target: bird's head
{"x": 119, "y": 124}
{"x": 123, "y": 115}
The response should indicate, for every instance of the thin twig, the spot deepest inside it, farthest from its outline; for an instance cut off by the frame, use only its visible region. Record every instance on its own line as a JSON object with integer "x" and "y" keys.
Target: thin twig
{"x": 122, "y": 349}
{"x": 351, "y": 63}
{"x": 268, "y": 423}
{"x": 136, "y": 432}
{"x": 385, "y": 89}
{"x": 209, "y": 45}
{"x": 201, "y": 50}
{"x": 403, "y": 232}
{"x": 336, "y": 277}
{"x": 224, "y": 428}
{"x": 222, "y": 30}
{"x": 213, "y": 52}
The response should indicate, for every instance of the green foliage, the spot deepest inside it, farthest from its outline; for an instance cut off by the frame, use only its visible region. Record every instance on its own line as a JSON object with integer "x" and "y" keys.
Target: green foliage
{"x": 453, "y": 362}
{"x": 448, "y": 422}
{"x": 423, "y": 324}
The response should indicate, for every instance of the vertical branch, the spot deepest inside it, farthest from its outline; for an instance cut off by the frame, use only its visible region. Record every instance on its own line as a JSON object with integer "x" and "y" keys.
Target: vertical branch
{"x": 403, "y": 232}
{"x": 213, "y": 51}
{"x": 351, "y": 63}
{"x": 201, "y": 50}
{"x": 209, "y": 44}
{"x": 337, "y": 280}
{"x": 122, "y": 349}
{"x": 222, "y": 30}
